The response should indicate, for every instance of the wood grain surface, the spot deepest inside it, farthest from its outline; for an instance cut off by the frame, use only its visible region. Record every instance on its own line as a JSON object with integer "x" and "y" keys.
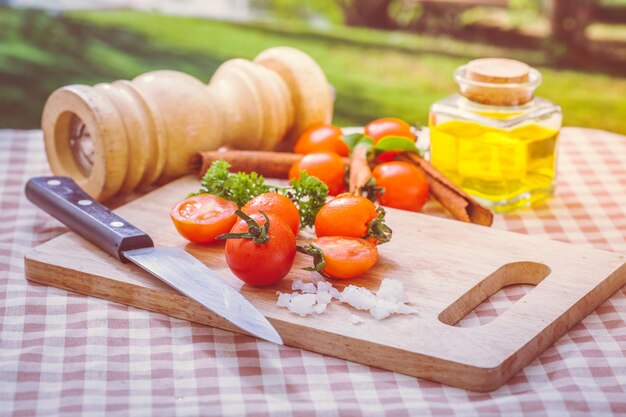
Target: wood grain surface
{"x": 447, "y": 268}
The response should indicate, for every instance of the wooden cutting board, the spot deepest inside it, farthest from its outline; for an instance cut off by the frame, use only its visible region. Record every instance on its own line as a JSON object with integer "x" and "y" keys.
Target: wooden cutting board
{"x": 447, "y": 267}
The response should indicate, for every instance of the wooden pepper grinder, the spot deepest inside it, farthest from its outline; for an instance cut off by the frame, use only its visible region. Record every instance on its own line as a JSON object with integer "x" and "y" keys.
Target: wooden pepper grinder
{"x": 128, "y": 135}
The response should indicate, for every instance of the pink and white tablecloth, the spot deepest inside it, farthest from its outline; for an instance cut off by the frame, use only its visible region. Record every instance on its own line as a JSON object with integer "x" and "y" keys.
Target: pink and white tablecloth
{"x": 67, "y": 354}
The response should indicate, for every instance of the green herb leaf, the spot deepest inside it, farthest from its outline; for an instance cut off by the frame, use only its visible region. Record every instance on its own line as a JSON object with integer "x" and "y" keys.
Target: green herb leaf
{"x": 395, "y": 143}
{"x": 244, "y": 187}
{"x": 357, "y": 139}
{"x": 308, "y": 193}
{"x": 238, "y": 188}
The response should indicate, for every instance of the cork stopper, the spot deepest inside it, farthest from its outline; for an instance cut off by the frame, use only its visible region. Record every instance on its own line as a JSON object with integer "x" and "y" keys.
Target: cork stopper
{"x": 498, "y": 71}
{"x": 498, "y": 81}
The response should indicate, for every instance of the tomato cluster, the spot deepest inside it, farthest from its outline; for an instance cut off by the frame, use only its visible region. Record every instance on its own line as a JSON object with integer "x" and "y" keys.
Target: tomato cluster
{"x": 323, "y": 149}
{"x": 261, "y": 245}
{"x": 402, "y": 185}
{"x": 261, "y": 237}
{"x": 348, "y": 228}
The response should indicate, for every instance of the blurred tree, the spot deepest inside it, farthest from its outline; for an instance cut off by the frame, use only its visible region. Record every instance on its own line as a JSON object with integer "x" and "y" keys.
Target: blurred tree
{"x": 370, "y": 13}
{"x": 570, "y": 19}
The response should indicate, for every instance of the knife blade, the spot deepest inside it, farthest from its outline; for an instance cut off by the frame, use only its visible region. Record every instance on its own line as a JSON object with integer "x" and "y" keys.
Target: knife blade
{"x": 63, "y": 199}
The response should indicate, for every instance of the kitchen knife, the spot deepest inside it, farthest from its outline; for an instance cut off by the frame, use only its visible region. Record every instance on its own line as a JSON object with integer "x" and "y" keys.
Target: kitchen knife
{"x": 62, "y": 198}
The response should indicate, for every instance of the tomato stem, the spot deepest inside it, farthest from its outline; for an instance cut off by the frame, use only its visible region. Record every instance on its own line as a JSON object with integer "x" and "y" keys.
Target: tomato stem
{"x": 258, "y": 234}
{"x": 378, "y": 229}
{"x": 371, "y": 190}
{"x": 319, "y": 262}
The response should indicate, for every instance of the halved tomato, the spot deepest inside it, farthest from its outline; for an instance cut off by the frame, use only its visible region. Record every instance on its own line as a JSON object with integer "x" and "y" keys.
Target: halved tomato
{"x": 343, "y": 257}
{"x": 201, "y": 218}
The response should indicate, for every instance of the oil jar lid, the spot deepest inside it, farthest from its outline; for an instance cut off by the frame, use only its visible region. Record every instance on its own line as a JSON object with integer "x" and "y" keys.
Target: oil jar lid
{"x": 498, "y": 81}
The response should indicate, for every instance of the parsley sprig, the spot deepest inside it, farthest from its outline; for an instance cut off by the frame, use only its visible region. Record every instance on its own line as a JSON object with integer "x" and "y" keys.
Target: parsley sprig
{"x": 308, "y": 193}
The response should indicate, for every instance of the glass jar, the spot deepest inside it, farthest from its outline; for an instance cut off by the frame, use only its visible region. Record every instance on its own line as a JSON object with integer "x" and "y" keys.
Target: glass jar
{"x": 495, "y": 139}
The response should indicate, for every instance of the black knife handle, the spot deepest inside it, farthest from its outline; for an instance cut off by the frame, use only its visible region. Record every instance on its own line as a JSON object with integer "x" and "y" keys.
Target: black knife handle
{"x": 63, "y": 199}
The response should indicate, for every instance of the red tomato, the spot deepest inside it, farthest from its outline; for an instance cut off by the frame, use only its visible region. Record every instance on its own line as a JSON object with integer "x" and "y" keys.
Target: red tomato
{"x": 346, "y": 257}
{"x": 405, "y": 185}
{"x": 203, "y": 217}
{"x": 346, "y": 215}
{"x": 388, "y": 126}
{"x": 387, "y": 156}
{"x": 329, "y": 167}
{"x": 323, "y": 138}
{"x": 276, "y": 204}
{"x": 264, "y": 263}
{"x": 352, "y": 216}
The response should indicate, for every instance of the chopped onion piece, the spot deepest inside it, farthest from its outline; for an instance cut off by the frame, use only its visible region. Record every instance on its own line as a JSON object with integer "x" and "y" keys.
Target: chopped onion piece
{"x": 320, "y": 308}
{"x": 302, "y": 304}
{"x": 315, "y": 298}
{"x": 305, "y": 287}
{"x": 392, "y": 290}
{"x": 358, "y": 297}
{"x": 324, "y": 297}
{"x": 283, "y": 299}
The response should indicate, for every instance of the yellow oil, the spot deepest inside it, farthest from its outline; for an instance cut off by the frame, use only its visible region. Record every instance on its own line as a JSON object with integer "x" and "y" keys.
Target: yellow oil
{"x": 507, "y": 169}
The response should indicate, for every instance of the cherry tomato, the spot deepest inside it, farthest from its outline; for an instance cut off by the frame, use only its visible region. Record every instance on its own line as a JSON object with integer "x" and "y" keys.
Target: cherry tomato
{"x": 329, "y": 167}
{"x": 276, "y": 204}
{"x": 323, "y": 138}
{"x": 261, "y": 263}
{"x": 388, "y": 126}
{"x": 405, "y": 185}
{"x": 346, "y": 257}
{"x": 203, "y": 217}
{"x": 351, "y": 216}
{"x": 387, "y": 156}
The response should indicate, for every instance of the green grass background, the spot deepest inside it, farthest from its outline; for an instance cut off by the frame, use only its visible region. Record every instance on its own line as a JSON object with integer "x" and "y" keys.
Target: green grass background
{"x": 374, "y": 73}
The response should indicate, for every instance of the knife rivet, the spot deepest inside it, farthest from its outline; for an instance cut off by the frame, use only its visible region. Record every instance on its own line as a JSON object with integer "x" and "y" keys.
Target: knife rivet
{"x": 116, "y": 224}
{"x": 84, "y": 202}
{"x": 54, "y": 182}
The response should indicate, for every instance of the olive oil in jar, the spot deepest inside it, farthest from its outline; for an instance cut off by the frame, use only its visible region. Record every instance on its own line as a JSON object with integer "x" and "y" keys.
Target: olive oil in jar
{"x": 496, "y": 141}
{"x": 496, "y": 164}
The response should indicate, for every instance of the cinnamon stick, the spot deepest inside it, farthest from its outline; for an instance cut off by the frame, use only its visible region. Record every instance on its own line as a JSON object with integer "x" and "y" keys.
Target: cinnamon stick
{"x": 360, "y": 172}
{"x": 268, "y": 164}
{"x": 277, "y": 164}
{"x": 460, "y": 205}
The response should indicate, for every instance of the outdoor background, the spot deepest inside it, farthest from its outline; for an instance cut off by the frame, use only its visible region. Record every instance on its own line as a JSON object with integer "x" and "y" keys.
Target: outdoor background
{"x": 383, "y": 57}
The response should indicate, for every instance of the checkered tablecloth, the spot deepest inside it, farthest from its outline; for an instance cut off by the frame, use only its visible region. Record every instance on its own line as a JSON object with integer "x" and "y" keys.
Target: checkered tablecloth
{"x": 67, "y": 354}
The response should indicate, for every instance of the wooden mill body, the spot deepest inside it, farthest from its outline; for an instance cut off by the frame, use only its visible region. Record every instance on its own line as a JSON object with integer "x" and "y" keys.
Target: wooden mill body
{"x": 126, "y": 135}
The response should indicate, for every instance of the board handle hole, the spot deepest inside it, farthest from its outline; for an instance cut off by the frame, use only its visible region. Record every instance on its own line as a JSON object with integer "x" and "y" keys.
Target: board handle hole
{"x": 488, "y": 299}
